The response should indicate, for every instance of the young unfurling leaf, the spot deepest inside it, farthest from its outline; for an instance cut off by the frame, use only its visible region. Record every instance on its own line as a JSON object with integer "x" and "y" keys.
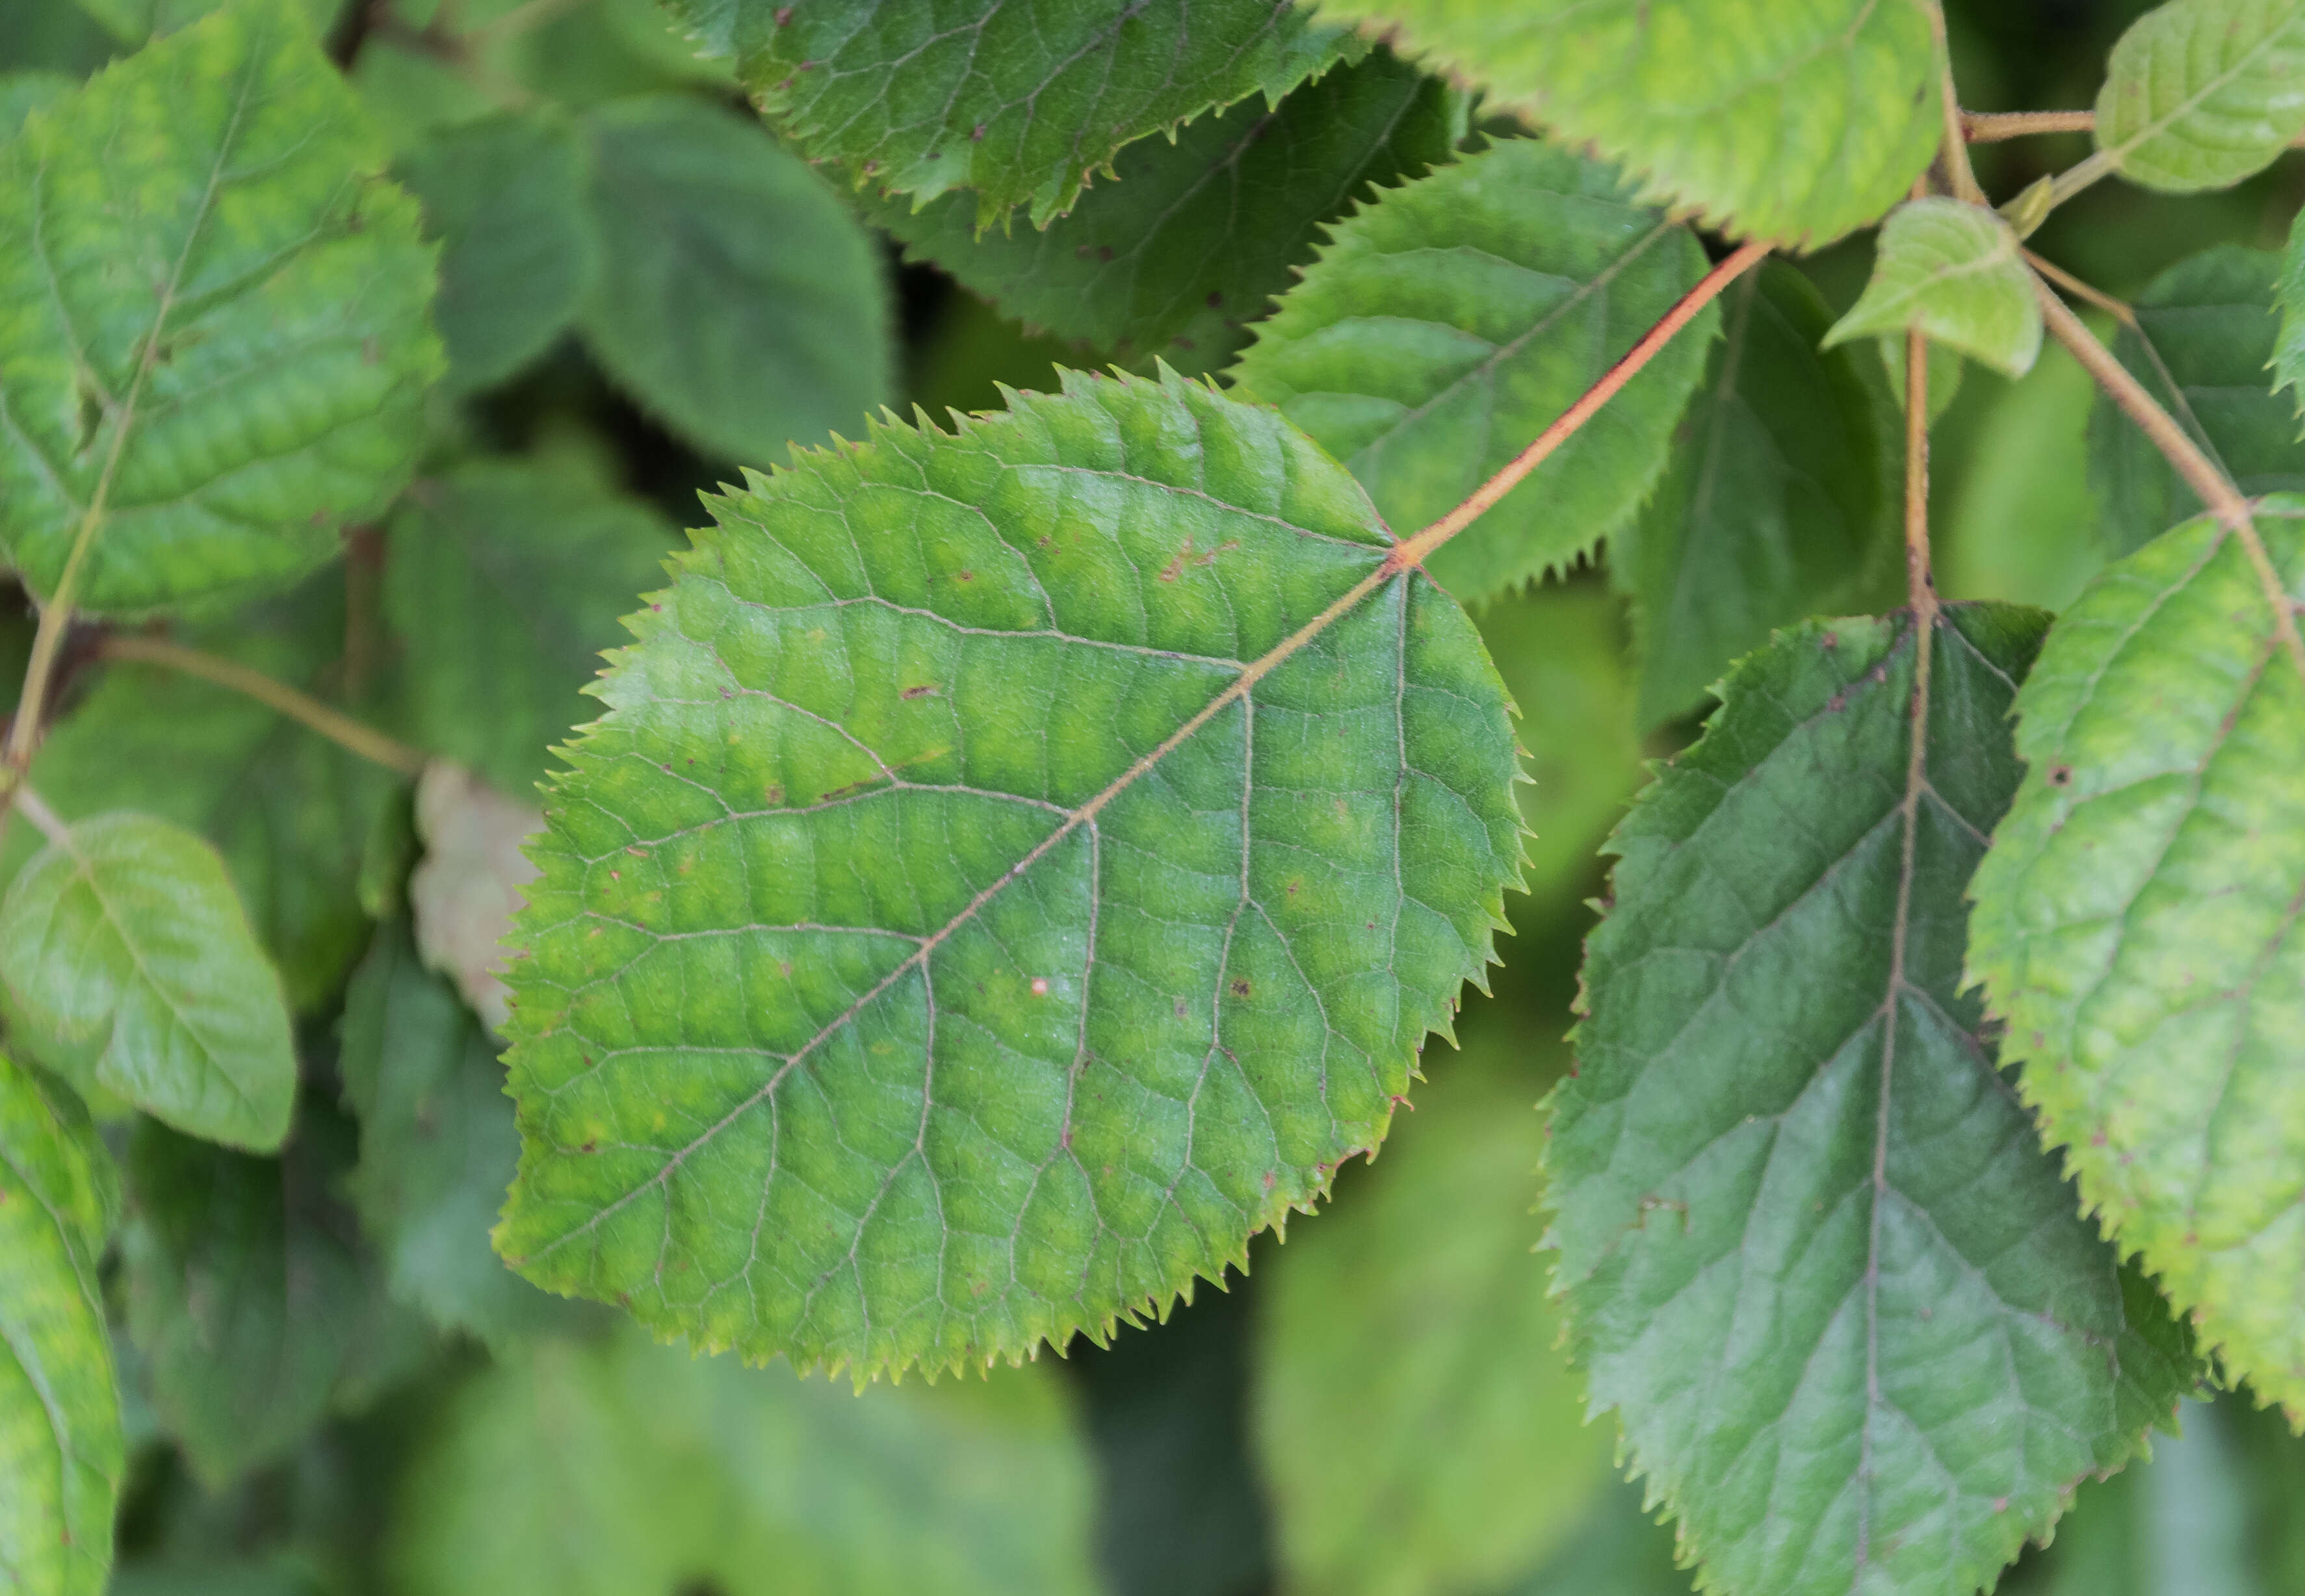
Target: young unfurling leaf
{"x": 1016, "y": 868}
{"x": 1856, "y": 1328}
{"x": 1955, "y": 272}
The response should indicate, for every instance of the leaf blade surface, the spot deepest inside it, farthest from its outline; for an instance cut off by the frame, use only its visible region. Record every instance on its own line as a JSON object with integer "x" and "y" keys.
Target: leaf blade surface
{"x": 2201, "y": 93}
{"x": 1955, "y": 272}
{"x": 2134, "y": 922}
{"x": 1858, "y": 1332}
{"x": 1006, "y": 745}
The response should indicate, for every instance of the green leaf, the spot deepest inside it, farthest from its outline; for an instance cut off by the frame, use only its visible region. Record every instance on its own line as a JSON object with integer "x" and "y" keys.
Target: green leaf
{"x": 1955, "y": 272}
{"x": 1773, "y": 506}
{"x": 2203, "y": 337}
{"x": 437, "y": 1145}
{"x": 1946, "y": 370}
{"x": 1418, "y": 1425}
{"x": 127, "y": 964}
{"x": 247, "y": 1296}
{"x": 1195, "y": 237}
{"x": 214, "y": 351}
{"x": 2201, "y": 93}
{"x": 1022, "y": 105}
{"x": 1016, "y": 866}
{"x": 506, "y": 197}
{"x": 2021, "y": 525}
{"x": 736, "y": 297}
{"x": 505, "y": 583}
{"x": 2289, "y": 349}
{"x": 1561, "y": 650}
{"x": 52, "y": 38}
{"x": 23, "y": 93}
{"x": 288, "y": 810}
{"x": 61, "y": 1460}
{"x": 1793, "y": 124}
{"x": 616, "y": 1468}
{"x": 134, "y": 22}
{"x": 1856, "y": 1331}
{"x": 1448, "y": 322}
{"x": 2133, "y": 925}
{"x": 1617, "y": 1550}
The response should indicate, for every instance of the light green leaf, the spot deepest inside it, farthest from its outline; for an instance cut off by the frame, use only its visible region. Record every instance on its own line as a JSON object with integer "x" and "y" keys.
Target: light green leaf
{"x": 23, "y": 93}
{"x": 1016, "y": 866}
{"x": 612, "y": 1469}
{"x": 1856, "y": 1328}
{"x": 1773, "y": 506}
{"x": 736, "y": 297}
{"x": 60, "y": 1459}
{"x": 437, "y": 1145}
{"x": 2288, "y": 349}
{"x": 505, "y": 196}
{"x": 505, "y": 583}
{"x": 134, "y": 22}
{"x": 2203, "y": 336}
{"x": 1417, "y": 1422}
{"x": 1448, "y": 322}
{"x": 2021, "y": 525}
{"x": 288, "y": 810}
{"x": 2201, "y": 93}
{"x": 213, "y": 350}
{"x": 247, "y": 1297}
{"x": 127, "y": 964}
{"x": 2133, "y": 925}
{"x": 1561, "y": 650}
{"x": 1022, "y": 105}
{"x": 1955, "y": 272}
{"x": 1195, "y": 237}
{"x": 1793, "y": 124}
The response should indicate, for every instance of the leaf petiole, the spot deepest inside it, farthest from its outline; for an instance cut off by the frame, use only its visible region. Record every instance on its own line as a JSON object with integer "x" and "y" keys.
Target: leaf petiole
{"x": 2210, "y": 484}
{"x": 332, "y": 724}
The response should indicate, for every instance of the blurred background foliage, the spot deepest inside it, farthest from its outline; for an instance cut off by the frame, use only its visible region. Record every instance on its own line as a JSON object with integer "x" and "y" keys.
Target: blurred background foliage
{"x": 334, "y": 1386}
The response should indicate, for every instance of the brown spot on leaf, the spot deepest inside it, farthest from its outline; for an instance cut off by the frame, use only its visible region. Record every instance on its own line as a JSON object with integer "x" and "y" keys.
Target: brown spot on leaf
{"x": 1240, "y": 987}
{"x": 924, "y": 690}
{"x": 2060, "y": 776}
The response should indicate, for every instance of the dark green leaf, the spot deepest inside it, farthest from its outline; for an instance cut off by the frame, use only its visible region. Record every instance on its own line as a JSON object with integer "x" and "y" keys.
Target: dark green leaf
{"x": 2289, "y": 352}
{"x": 1773, "y": 506}
{"x": 23, "y": 93}
{"x": 505, "y": 583}
{"x": 736, "y": 296}
{"x": 505, "y": 196}
{"x": 127, "y": 965}
{"x": 437, "y": 1145}
{"x": 1192, "y": 240}
{"x": 2136, "y": 927}
{"x": 1021, "y": 104}
{"x": 1017, "y": 867}
{"x": 622, "y": 1468}
{"x": 1856, "y": 1328}
{"x": 215, "y": 352}
{"x": 2204, "y": 336}
{"x": 1448, "y": 322}
{"x": 60, "y": 1445}
{"x": 1795, "y": 123}
{"x": 1419, "y": 1422}
{"x": 248, "y": 1295}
